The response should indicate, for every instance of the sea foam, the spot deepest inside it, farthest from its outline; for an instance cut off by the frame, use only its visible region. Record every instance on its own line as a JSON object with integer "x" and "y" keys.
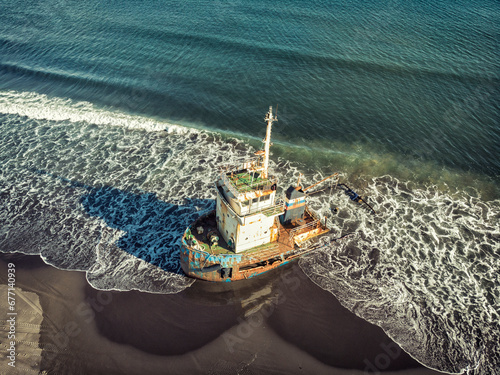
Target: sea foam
{"x": 43, "y": 107}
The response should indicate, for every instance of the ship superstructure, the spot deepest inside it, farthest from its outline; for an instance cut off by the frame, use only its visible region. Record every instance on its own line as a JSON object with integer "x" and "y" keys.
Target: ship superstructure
{"x": 251, "y": 230}
{"x": 247, "y": 207}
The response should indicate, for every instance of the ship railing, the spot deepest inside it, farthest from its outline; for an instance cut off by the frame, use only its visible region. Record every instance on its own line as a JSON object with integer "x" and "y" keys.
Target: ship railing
{"x": 229, "y": 184}
{"x": 252, "y": 163}
{"x": 262, "y": 184}
{"x": 277, "y": 208}
{"x": 304, "y": 228}
{"x": 312, "y": 214}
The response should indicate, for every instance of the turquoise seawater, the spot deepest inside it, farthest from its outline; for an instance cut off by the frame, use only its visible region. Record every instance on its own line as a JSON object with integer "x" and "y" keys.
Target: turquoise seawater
{"x": 417, "y": 81}
{"x": 115, "y": 115}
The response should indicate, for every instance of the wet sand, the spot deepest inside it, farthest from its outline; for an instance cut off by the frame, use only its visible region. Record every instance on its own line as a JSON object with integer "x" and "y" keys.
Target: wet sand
{"x": 280, "y": 323}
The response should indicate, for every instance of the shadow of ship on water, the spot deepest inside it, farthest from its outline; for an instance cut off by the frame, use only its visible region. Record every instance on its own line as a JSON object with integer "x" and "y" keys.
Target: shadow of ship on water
{"x": 152, "y": 227}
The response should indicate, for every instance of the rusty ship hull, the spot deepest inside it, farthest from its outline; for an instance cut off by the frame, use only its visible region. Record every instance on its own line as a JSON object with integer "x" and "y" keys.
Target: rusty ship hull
{"x": 251, "y": 230}
{"x": 219, "y": 264}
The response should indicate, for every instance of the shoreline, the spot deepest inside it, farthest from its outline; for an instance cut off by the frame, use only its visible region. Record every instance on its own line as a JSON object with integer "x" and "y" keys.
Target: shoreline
{"x": 259, "y": 326}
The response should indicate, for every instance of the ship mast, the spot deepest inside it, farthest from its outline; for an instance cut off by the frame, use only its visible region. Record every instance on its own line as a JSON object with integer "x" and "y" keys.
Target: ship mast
{"x": 267, "y": 141}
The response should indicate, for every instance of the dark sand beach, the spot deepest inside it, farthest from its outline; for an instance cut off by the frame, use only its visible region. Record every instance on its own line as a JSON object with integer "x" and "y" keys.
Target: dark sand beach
{"x": 280, "y": 323}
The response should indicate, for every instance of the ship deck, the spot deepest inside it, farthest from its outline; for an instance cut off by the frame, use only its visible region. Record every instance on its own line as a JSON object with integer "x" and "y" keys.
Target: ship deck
{"x": 246, "y": 181}
{"x": 284, "y": 243}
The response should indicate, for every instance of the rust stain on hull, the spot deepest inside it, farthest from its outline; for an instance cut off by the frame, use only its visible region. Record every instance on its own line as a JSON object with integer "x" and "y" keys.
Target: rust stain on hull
{"x": 220, "y": 264}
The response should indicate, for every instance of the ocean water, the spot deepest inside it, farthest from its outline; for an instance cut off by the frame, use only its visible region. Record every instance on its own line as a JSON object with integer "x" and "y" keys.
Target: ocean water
{"x": 115, "y": 116}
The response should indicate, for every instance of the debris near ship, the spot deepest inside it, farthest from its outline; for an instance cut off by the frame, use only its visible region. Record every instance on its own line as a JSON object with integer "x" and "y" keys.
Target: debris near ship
{"x": 252, "y": 231}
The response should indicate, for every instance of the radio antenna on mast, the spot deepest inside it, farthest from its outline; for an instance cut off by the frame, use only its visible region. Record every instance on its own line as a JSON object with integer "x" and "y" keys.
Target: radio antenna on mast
{"x": 267, "y": 141}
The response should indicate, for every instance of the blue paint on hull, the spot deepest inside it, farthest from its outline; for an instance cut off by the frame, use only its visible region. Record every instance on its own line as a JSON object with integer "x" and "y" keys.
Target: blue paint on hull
{"x": 202, "y": 265}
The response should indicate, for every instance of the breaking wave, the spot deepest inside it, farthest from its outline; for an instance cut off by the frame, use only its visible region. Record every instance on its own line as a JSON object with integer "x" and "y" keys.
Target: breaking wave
{"x": 41, "y": 107}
